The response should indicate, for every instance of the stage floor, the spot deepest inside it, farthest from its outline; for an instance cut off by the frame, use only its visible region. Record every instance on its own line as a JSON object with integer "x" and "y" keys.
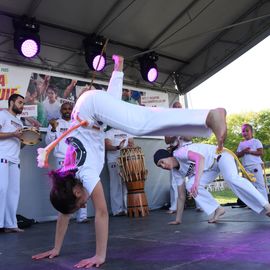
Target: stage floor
{"x": 241, "y": 240}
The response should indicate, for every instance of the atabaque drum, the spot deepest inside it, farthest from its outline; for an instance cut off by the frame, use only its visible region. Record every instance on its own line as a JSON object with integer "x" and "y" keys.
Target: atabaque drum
{"x": 133, "y": 172}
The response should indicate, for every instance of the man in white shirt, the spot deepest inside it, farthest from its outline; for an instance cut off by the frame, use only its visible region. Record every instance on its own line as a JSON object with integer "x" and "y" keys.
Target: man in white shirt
{"x": 10, "y": 133}
{"x": 115, "y": 140}
{"x": 55, "y": 129}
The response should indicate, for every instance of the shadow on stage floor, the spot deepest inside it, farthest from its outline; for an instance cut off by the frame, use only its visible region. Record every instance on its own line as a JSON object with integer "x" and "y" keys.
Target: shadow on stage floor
{"x": 241, "y": 240}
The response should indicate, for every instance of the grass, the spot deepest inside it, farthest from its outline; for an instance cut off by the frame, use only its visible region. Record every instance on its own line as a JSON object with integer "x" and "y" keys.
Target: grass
{"x": 224, "y": 196}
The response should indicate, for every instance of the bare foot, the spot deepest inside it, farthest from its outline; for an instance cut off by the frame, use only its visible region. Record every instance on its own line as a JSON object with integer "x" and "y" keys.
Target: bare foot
{"x": 174, "y": 222}
{"x": 118, "y": 62}
{"x": 216, "y": 120}
{"x": 171, "y": 212}
{"x": 13, "y": 230}
{"x": 218, "y": 213}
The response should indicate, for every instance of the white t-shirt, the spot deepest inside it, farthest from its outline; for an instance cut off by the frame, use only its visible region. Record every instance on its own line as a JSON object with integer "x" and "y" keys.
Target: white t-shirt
{"x": 52, "y": 109}
{"x": 116, "y": 136}
{"x": 187, "y": 167}
{"x": 61, "y": 148}
{"x": 249, "y": 159}
{"x": 92, "y": 137}
{"x": 10, "y": 147}
{"x": 93, "y": 142}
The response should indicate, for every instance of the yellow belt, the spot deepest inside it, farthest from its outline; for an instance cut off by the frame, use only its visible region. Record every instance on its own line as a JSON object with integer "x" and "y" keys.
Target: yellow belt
{"x": 249, "y": 176}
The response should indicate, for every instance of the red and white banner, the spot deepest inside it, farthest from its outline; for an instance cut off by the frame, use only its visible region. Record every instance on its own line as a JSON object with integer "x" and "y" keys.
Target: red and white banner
{"x": 13, "y": 80}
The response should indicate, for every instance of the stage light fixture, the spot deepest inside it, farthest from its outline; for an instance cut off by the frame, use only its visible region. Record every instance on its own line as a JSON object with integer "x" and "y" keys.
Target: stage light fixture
{"x": 26, "y": 36}
{"x": 148, "y": 66}
{"x": 95, "y": 59}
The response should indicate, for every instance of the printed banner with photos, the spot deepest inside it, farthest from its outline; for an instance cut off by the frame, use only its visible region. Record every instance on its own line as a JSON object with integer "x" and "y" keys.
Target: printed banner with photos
{"x": 45, "y": 92}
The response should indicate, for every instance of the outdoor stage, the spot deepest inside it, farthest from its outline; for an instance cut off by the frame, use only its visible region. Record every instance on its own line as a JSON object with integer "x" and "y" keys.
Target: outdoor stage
{"x": 241, "y": 240}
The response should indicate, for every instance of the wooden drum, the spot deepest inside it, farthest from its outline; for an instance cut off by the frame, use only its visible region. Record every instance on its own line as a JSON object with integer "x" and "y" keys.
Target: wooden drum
{"x": 133, "y": 173}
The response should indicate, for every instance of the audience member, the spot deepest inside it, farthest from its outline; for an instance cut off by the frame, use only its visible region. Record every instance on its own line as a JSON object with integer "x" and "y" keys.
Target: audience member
{"x": 250, "y": 151}
{"x": 10, "y": 133}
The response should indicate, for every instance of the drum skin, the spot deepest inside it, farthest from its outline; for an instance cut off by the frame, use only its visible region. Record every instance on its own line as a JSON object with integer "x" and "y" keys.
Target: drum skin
{"x": 30, "y": 136}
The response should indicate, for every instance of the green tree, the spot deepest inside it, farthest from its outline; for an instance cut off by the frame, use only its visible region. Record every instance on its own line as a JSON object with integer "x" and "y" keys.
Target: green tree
{"x": 260, "y": 122}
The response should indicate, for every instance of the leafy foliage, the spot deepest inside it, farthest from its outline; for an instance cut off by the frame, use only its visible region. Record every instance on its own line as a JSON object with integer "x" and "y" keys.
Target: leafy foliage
{"x": 261, "y": 124}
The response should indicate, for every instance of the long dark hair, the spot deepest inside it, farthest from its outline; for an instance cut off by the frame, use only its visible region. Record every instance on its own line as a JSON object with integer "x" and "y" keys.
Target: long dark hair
{"x": 61, "y": 195}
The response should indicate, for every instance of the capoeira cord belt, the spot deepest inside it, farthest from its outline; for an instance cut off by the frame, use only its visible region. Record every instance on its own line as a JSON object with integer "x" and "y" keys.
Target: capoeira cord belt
{"x": 246, "y": 174}
{"x": 43, "y": 153}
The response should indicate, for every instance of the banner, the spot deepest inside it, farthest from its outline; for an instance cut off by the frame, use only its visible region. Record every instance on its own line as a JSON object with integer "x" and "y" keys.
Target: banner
{"x": 13, "y": 80}
{"x": 45, "y": 93}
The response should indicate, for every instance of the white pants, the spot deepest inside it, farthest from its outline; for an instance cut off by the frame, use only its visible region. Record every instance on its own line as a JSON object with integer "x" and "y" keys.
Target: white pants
{"x": 139, "y": 120}
{"x": 81, "y": 214}
{"x": 173, "y": 192}
{"x": 107, "y": 107}
{"x": 9, "y": 193}
{"x": 242, "y": 188}
{"x": 257, "y": 170}
{"x": 118, "y": 190}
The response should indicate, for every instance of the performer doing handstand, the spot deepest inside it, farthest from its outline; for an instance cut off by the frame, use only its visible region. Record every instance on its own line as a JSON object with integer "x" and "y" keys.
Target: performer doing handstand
{"x": 79, "y": 179}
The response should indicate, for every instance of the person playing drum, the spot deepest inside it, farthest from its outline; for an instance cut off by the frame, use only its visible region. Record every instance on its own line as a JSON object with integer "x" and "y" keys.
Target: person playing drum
{"x": 10, "y": 143}
{"x": 115, "y": 140}
{"x": 79, "y": 179}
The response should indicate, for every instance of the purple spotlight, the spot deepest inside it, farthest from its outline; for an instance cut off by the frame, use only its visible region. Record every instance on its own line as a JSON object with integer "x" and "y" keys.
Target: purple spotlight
{"x": 148, "y": 67}
{"x": 98, "y": 65}
{"x": 29, "y": 48}
{"x": 152, "y": 74}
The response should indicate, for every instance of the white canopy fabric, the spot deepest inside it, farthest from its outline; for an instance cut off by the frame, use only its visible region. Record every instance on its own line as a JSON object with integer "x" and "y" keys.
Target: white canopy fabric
{"x": 193, "y": 38}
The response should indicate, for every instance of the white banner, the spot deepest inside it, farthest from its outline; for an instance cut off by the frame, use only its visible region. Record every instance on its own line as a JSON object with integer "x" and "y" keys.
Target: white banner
{"x": 13, "y": 80}
{"x": 44, "y": 93}
{"x": 155, "y": 99}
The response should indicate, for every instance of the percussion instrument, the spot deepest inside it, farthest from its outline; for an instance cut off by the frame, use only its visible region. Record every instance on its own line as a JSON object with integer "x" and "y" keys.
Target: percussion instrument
{"x": 133, "y": 173}
{"x": 30, "y": 136}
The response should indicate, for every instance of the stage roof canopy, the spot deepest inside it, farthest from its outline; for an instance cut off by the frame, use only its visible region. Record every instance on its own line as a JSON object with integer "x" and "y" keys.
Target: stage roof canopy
{"x": 193, "y": 38}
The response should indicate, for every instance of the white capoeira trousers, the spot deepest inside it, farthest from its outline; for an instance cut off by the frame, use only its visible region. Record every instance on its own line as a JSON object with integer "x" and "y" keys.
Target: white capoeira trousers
{"x": 101, "y": 108}
{"x": 139, "y": 120}
{"x": 173, "y": 192}
{"x": 9, "y": 193}
{"x": 118, "y": 190}
{"x": 242, "y": 188}
{"x": 257, "y": 170}
{"x": 108, "y": 108}
{"x": 81, "y": 214}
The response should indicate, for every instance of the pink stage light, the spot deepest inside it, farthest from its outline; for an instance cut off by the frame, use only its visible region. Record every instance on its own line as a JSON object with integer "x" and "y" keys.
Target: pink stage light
{"x": 29, "y": 48}
{"x": 152, "y": 74}
{"x": 99, "y": 65}
{"x": 148, "y": 67}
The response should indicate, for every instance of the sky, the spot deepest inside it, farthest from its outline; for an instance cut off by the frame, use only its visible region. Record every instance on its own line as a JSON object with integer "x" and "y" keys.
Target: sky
{"x": 242, "y": 86}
